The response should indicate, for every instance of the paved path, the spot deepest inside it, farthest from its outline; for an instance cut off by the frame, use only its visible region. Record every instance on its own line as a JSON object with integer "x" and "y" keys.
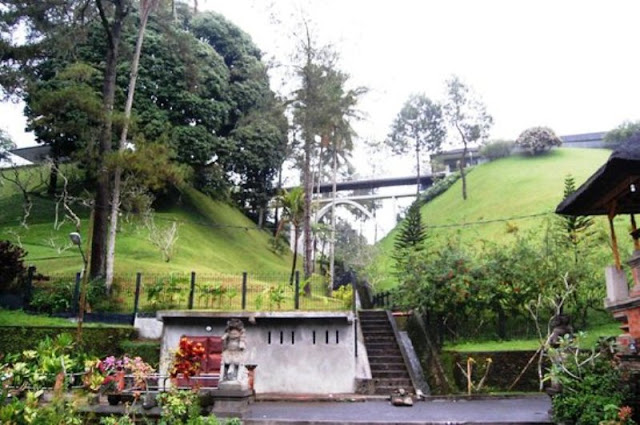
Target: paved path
{"x": 513, "y": 410}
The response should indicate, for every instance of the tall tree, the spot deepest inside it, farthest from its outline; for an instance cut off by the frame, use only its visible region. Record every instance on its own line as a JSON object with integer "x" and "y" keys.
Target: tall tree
{"x": 112, "y": 22}
{"x": 6, "y": 143}
{"x": 468, "y": 116}
{"x": 419, "y": 126}
{"x": 292, "y": 205}
{"x": 322, "y": 109}
{"x": 145, "y": 9}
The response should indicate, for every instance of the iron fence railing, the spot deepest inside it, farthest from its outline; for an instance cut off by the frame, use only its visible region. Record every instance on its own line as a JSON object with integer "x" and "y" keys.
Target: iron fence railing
{"x": 207, "y": 291}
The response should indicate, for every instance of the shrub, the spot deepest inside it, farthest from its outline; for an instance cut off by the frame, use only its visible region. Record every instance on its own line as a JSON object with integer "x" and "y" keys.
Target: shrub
{"x": 497, "y": 149}
{"x": 537, "y": 140}
{"x": 11, "y": 265}
{"x": 590, "y": 382}
{"x": 438, "y": 187}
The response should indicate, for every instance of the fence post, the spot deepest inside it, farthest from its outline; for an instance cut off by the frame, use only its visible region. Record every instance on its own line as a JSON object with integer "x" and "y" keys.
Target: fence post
{"x": 244, "y": 290}
{"x": 296, "y": 296}
{"x": 136, "y": 300}
{"x": 29, "y": 285}
{"x": 76, "y": 295}
{"x": 193, "y": 289}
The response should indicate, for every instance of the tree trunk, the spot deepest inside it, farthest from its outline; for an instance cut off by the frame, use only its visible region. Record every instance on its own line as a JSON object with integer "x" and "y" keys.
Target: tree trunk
{"x": 276, "y": 222}
{"x": 145, "y": 10}
{"x": 296, "y": 233}
{"x": 332, "y": 246}
{"x": 101, "y": 207}
{"x": 417, "y": 168}
{"x": 463, "y": 176}
{"x": 502, "y": 323}
{"x": 306, "y": 225}
{"x": 53, "y": 177}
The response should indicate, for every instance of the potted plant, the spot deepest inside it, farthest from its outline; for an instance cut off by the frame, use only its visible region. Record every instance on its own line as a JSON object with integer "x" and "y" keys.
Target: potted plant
{"x": 122, "y": 378}
{"x": 186, "y": 361}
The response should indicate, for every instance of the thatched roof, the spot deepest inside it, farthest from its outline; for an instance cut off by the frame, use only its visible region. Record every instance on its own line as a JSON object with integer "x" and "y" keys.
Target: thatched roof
{"x": 616, "y": 185}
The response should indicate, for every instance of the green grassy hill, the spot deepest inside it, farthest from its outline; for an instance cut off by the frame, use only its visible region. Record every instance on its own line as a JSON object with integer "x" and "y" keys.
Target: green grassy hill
{"x": 502, "y": 194}
{"x": 212, "y": 237}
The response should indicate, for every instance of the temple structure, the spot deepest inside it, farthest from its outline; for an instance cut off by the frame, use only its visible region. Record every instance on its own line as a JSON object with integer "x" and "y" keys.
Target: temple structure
{"x": 611, "y": 191}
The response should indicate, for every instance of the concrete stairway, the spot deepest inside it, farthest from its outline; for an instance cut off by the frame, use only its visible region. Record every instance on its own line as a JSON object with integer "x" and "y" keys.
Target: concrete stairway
{"x": 388, "y": 368}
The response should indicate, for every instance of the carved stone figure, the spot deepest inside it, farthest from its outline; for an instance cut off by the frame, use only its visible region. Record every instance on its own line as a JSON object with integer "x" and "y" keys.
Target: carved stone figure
{"x": 561, "y": 326}
{"x": 233, "y": 347}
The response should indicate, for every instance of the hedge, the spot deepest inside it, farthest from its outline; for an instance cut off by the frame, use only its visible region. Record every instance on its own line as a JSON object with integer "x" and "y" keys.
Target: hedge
{"x": 149, "y": 351}
{"x": 100, "y": 342}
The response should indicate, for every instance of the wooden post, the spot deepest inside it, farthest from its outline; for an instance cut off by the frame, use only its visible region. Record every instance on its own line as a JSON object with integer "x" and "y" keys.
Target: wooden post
{"x": 636, "y": 242}
{"x": 76, "y": 294}
{"x": 614, "y": 242}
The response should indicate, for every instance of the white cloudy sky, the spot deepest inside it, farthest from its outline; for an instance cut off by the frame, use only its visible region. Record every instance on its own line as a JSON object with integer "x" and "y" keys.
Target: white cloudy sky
{"x": 572, "y": 65}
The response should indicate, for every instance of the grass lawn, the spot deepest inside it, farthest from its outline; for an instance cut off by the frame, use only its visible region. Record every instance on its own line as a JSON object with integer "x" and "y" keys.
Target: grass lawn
{"x": 503, "y": 190}
{"x": 213, "y": 236}
{"x": 589, "y": 340}
{"x": 20, "y": 318}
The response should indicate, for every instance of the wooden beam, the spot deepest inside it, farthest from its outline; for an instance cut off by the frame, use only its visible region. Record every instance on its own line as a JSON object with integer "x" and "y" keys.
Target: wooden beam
{"x": 636, "y": 242}
{"x": 614, "y": 239}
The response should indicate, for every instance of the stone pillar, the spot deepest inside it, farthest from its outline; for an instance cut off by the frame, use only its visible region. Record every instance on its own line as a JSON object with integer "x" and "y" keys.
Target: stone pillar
{"x": 617, "y": 287}
{"x": 634, "y": 263}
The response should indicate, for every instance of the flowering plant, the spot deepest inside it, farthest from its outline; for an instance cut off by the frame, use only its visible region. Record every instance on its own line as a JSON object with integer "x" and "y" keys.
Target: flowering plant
{"x": 112, "y": 371}
{"x": 187, "y": 359}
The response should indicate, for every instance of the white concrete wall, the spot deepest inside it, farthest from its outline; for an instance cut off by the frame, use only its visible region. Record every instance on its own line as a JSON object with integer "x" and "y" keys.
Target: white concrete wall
{"x": 290, "y": 366}
{"x": 148, "y": 327}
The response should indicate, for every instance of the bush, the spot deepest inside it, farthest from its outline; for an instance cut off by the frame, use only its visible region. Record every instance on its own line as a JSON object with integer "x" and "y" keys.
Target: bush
{"x": 537, "y": 140}
{"x": 100, "y": 342}
{"x": 590, "y": 381}
{"x": 497, "y": 149}
{"x": 438, "y": 187}
{"x": 12, "y": 267}
{"x": 149, "y": 351}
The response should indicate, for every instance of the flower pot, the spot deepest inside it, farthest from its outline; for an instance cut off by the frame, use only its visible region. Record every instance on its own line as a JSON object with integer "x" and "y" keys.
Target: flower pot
{"x": 113, "y": 399}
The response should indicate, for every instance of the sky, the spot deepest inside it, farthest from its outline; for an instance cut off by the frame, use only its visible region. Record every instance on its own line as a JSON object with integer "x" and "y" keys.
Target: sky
{"x": 570, "y": 65}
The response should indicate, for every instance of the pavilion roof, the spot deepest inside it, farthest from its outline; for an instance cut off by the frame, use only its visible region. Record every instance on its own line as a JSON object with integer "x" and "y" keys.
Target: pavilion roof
{"x": 615, "y": 187}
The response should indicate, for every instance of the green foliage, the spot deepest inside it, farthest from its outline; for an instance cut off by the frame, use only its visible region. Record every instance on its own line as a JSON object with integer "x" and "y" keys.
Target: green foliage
{"x": 412, "y": 234}
{"x": 100, "y": 342}
{"x": 496, "y": 149}
{"x": 28, "y": 411}
{"x": 438, "y": 187}
{"x": 480, "y": 294}
{"x": 39, "y": 367}
{"x": 149, "y": 351}
{"x": 344, "y": 293}
{"x": 12, "y": 268}
{"x": 623, "y": 132}
{"x": 590, "y": 383}
{"x": 521, "y": 190}
{"x": 537, "y": 140}
{"x": 419, "y": 126}
{"x": 180, "y": 408}
{"x": 6, "y": 143}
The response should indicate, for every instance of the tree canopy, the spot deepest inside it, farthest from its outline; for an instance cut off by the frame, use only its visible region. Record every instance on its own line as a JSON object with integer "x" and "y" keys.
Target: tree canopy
{"x": 537, "y": 140}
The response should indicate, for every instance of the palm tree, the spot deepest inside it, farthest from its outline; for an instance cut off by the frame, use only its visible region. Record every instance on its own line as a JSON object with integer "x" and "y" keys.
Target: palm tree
{"x": 292, "y": 204}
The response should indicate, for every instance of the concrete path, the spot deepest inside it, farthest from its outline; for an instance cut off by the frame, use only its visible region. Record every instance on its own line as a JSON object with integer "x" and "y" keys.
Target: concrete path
{"x": 513, "y": 410}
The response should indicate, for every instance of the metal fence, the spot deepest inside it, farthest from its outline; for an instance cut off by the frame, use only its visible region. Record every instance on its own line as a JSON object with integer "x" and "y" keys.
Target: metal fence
{"x": 221, "y": 291}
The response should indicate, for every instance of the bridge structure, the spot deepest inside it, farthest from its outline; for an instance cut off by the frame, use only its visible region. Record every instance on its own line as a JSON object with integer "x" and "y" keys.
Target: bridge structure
{"x": 327, "y": 203}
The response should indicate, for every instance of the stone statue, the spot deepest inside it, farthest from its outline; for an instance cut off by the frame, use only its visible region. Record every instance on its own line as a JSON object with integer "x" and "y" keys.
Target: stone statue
{"x": 233, "y": 346}
{"x": 560, "y": 326}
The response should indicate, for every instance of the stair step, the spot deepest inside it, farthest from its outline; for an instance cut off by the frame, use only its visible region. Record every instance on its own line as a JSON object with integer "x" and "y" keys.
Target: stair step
{"x": 390, "y": 374}
{"x": 387, "y": 366}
